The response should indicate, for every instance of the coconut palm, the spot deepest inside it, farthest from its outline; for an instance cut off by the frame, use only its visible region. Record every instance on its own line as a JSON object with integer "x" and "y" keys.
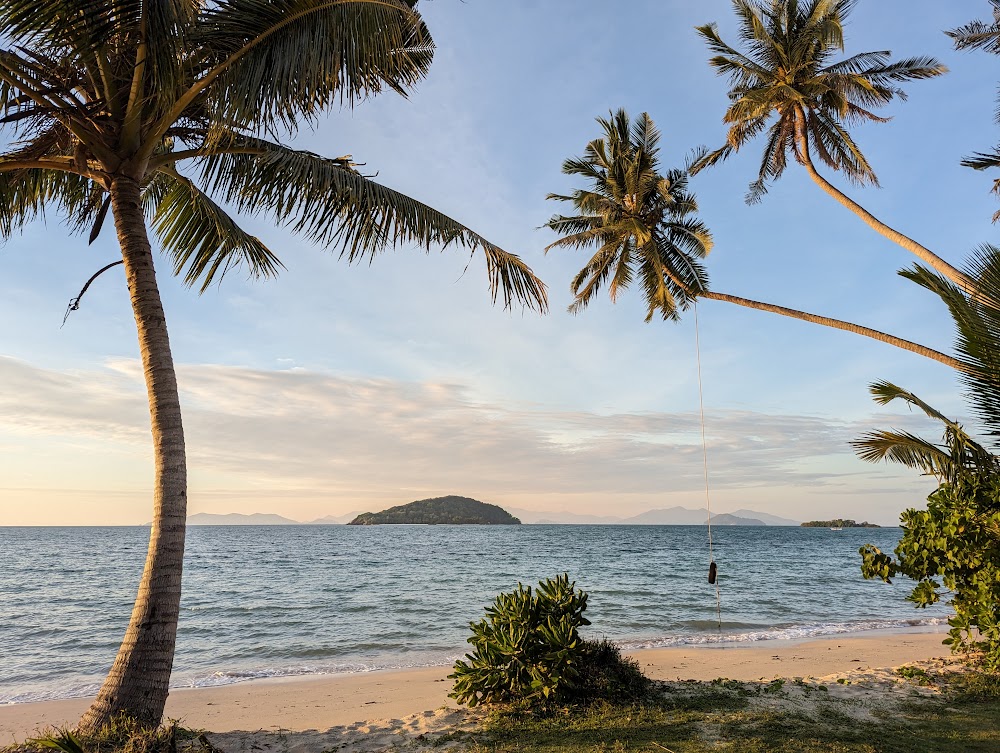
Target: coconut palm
{"x": 979, "y": 35}
{"x": 950, "y": 546}
{"x": 643, "y": 227}
{"x": 785, "y": 73}
{"x": 165, "y": 111}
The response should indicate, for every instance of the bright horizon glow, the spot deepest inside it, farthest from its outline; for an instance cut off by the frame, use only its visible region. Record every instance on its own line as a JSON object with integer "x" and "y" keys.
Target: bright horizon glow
{"x": 333, "y": 389}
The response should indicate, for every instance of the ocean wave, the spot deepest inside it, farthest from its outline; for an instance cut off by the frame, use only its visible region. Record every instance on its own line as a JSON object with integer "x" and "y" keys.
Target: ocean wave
{"x": 788, "y": 632}
{"x": 731, "y": 634}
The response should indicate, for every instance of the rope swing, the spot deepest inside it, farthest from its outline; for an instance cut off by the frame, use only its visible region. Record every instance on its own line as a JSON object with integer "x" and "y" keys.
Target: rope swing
{"x": 713, "y": 569}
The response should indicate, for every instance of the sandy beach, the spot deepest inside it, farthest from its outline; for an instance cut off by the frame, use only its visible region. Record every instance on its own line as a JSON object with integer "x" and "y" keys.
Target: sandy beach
{"x": 336, "y": 710}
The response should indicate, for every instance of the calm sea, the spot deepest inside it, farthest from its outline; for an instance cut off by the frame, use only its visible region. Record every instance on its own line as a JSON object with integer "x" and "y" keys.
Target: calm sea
{"x": 274, "y": 600}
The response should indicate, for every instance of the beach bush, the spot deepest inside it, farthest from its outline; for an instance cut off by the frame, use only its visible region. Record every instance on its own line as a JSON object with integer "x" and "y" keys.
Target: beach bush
{"x": 953, "y": 548}
{"x": 528, "y": 647}
{"x": 528, "y": 650}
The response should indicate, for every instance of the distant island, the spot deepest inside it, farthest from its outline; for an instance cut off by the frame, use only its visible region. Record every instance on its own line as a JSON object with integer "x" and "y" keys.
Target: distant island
{"x": 439, "y": 511}
{"x": 838, "y": 523}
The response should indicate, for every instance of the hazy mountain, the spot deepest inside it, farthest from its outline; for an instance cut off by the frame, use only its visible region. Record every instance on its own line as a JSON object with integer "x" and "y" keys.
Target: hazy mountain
{"x": 329, "y": 520}
{"x": 725, "y": 519}
{"x": 239, "y": 519}
{"x": 547, "y": 516}
{"x": 771, "y": 520}
{"x": 672, "y": 516}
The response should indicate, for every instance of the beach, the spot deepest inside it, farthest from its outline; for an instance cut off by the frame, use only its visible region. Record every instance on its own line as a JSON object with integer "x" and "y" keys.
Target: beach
{"x": 384, "y": 707}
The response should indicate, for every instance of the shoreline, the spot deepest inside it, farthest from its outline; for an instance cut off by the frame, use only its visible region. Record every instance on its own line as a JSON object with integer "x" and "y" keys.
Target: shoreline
{"x": 322, "y": 702}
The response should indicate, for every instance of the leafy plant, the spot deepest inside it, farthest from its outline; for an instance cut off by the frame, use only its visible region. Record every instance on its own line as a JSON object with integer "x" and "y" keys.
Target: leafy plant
{"x": 122, "y": 734}
{"x": 63, "y": 741}
{"x": 607, "y": 675}
{"x": 952, "y": 546}
{"x": 527, "y": 648}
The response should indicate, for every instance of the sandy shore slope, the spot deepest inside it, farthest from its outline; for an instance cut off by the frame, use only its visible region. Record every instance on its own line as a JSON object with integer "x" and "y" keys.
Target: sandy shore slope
{"x": 327, "y": 712}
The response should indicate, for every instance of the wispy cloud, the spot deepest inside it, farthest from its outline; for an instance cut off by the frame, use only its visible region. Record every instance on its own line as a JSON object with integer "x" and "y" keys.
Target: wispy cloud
{"x": 339, "y": 437}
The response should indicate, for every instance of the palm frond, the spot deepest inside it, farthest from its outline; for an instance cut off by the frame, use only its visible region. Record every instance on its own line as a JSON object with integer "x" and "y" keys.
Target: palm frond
{"x": 25, "y": 194}
{"x": 332, "y": 204}
{"x": 292, "y": 59}
{"x": 904, "y": 448}
{"x": 979, "y": 35}
{"x": 977, "y": 321}
{"x": 202, "y": 239}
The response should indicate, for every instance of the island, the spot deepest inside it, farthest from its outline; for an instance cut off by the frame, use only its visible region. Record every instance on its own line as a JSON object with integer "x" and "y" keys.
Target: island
{"x": 726, "y": 519}
{"x": 450, "y": 510}
{"x": 838, "y": 523}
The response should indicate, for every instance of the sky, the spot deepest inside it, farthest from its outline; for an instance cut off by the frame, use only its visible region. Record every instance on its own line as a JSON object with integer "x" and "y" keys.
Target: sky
{"x": 338, "y": 388}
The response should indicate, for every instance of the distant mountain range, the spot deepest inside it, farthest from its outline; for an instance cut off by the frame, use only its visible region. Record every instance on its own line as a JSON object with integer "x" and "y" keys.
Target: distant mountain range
{"x": 239, "y": 519}
{"x": 672, "y": 516}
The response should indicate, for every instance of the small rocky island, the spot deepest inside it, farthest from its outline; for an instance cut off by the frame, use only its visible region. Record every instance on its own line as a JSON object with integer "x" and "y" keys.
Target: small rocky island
{"x": 838, "y": 523}
{"x": 449, "y": 510}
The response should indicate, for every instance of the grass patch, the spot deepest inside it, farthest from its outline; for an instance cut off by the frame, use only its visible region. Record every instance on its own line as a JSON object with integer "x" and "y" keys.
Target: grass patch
{"x": 760, "y": 718}
{"x": 121, "y": 736}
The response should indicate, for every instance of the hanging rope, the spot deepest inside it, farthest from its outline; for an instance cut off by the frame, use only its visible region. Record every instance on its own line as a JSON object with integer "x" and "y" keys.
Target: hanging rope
{"x": 712, "y": 567}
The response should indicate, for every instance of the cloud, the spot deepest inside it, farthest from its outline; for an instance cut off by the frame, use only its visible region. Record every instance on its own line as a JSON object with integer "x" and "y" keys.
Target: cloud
{"x": 297, "y": 431}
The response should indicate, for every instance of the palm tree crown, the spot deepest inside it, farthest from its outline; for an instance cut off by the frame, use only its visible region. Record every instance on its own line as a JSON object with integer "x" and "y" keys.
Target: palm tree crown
{"x": 786, "y": 73}
{"x": 643, "y": 225}
{"x": 981, "y": 35}
{"x": 641, "y": 221}
{"x": 102, "y": 89}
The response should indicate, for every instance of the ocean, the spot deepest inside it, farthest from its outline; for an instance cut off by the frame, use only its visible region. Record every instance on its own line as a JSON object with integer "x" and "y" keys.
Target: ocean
{"x": 271, "y": 601}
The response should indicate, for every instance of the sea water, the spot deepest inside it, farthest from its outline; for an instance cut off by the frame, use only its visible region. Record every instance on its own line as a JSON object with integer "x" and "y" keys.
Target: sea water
{"x": 269, "y": 601}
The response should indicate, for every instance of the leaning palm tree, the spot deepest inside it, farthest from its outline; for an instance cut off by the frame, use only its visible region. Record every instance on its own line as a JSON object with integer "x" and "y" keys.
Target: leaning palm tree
{"x": 643, "y": 228}
{"x": 151, "y": 109}
{"x": 980, "y": 35}
{"x": 785, "y": 74}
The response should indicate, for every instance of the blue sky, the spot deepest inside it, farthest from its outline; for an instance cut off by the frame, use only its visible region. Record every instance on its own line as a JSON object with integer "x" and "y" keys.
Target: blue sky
{"x": 336, "y": 388}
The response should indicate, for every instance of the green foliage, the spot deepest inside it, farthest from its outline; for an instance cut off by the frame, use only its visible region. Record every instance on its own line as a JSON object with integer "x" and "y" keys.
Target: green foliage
{"x": 606, "y": 675}
{"x": 953, "y": 547}
{"x": 528, "y": 650}
{"x": 122, "y": 735}
{"x": 61, "y": 740}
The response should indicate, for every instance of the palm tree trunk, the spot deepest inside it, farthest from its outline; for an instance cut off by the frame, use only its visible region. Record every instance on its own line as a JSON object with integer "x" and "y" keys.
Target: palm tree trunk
{"x": 137, "y": 684}
{"x": 922, "y": 252}
{"x": 838, "y": 324}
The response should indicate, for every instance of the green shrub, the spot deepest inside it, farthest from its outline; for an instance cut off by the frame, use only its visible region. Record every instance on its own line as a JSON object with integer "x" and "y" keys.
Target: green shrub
{"x": 951, "y": 550}
{"x": 606, "y": 675}
{"x": 528, "y": 650}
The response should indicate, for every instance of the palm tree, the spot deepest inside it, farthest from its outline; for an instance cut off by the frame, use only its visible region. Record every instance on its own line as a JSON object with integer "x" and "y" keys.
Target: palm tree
{"x": 642, "y": 225}
{"x": 979, "y": 35}
{"x": 147, "y": 108}
{"x": 952, "y": 543}
{"x": 785, "y": 73}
